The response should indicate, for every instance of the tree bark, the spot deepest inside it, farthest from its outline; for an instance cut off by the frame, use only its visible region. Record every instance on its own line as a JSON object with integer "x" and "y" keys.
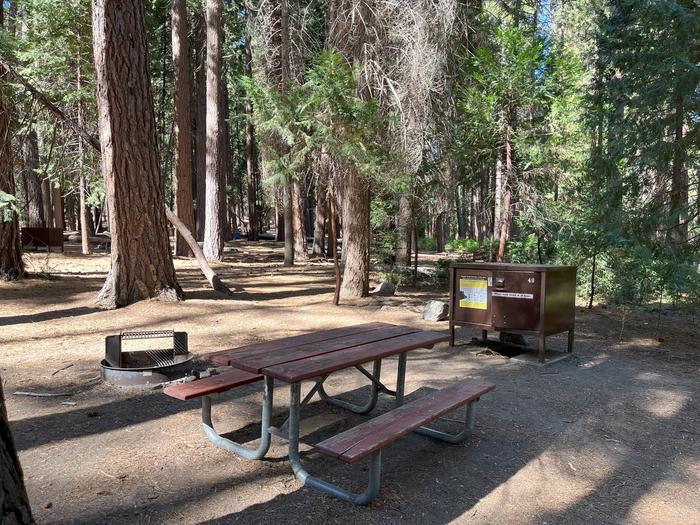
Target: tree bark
{"x": 404, "y": 229}
{"x": 35, "y": 200}
{"x": 57, "y": 199}
{"x": 183, "y": 122}
{"x": 226, "y": 175}
{"x": 440, "y": 232}
{"x": 14, "y": 503}
{"x": 298, "y": 224}
{"x": 321, "y": 210}
{"x": 213, "y": 239}
{"x": 250, "y": 150}
{"x": 200, "y": 126}
{"x": 508, "y": 182}
{"x": 11, "y": 265}
{"x": 82, "y": 185}
{"x": 678, "y": 234}
{"x": 46, "y": 201}
{"x": 141, "y": 263}
{"x": 355, "y": 212}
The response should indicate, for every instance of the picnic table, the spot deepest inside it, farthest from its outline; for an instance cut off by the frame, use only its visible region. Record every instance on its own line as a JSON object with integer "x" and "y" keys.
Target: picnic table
{"x": 314, "y": 357}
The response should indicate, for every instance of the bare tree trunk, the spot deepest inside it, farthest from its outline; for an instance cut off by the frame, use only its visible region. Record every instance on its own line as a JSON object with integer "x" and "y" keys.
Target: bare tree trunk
{"x": 497, "y": 198}
{"x": 141, "y": 263}
{"x": 332, "y": 242}
{"x": 355, "y": 210}
{"x": 279, "y": 213}
{"x": 321, "y": 207}
{"x": 57, "y": 200}
{"x": 226, "y": 165}
{"x": 82, "y": 186}
{"x": 213, "y": 239}
{"x": 678, "y": 234}
{"x": 440, "y": 232}
{"x": 183, "y": 122}
{"x": 35, "y": 199}
{"x": 298, "y": 223}
{"x": 506, "y": 213}
{"x": 14, "y": 504}
{"x": 46, "y": 201}
{"x": 250, "y": 150}
{"x": 11, "y": 265}
{"x": 404, "y": 229}
{"x": 288, "y": 224}
{"x": 200, "y": 126}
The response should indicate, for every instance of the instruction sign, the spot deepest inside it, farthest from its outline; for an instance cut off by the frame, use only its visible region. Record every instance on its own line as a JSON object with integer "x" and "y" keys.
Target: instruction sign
{"x": 473, "y": 292}
{"x": 513, "y": 295}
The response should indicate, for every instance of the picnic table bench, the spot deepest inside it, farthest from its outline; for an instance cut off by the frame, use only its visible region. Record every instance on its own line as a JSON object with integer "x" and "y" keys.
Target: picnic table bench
{"x": 315, "y": 356}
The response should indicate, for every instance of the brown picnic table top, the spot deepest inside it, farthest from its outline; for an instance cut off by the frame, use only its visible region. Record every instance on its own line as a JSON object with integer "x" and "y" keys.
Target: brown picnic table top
{"x": 294, "y": 359}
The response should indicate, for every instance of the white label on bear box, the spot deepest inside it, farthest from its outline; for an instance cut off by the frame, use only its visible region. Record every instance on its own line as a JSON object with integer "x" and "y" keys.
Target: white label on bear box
{"x": 513, "y": 295}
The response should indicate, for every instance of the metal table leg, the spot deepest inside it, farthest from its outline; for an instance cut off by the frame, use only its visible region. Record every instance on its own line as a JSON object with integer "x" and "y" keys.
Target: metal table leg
{"x": 232, "y": 446}
{"x": 371, "y": 402}
{"x": 302, "y": 475}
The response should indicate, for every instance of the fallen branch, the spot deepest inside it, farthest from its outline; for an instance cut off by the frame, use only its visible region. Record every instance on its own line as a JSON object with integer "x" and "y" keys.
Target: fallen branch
{"x": 210, "y": 275}
{"x": 42, "y": 394}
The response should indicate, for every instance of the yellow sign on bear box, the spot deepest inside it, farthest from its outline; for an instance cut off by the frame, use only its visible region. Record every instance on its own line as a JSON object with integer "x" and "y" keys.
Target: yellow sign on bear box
{"x": 473, "y": 290}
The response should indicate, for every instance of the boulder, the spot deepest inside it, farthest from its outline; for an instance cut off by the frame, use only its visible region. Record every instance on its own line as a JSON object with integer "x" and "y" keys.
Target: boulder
{"x": 385, "y": 289}
{"x": 436, "y": 311}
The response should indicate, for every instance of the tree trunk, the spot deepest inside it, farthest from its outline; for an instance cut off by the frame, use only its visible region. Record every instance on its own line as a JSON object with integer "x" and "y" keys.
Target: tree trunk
{"x": 404, "y": 229}
{"x": 57, "y": 199}
{"x": 200, "y": 126}
{"x": 440, "y": 232}
{"x": 141, "y": 263}
{"x": 46, "y": 201}
{"x": 250, "y": 150}
{"x": 321, "y": 210}
{"x": 279, "y": 213}
{"x": 11, "y": 265}
{"x": 288, "y": 198}
{"x": 183, "y": 122}
{"x": 35, "y": 200}
{"x": 678, "y": 234}
{"x": 497, "y": 197}
{"x": 213, "y": 239}
{"x": 14, "y": 504}
{"x": 508, "y": 182}
{"x": 82, "y": 185}
{"x": 298, "y": 224}
{"x": 226, "y": 175}
{"x": 355, "y": 211}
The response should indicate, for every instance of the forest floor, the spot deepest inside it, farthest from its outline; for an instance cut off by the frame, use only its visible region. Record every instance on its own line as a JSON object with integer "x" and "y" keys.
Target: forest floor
{"x": 611, "y": 435}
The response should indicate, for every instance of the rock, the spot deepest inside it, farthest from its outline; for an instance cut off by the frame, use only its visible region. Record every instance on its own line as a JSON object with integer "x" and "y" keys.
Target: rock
{"x": 436, "y": 311}
{"x": 385, "y": 289}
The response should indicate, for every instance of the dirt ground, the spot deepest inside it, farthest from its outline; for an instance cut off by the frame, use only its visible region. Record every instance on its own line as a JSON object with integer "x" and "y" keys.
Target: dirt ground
{"x": 608, "y": 436}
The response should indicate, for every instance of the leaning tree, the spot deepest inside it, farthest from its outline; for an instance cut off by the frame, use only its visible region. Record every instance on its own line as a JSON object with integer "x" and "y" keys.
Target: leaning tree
{"x": 141, "y": 263}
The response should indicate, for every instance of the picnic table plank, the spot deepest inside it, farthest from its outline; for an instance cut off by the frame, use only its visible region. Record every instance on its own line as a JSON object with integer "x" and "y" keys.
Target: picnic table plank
{"x": 224, "y": 357}
{"x": 211, "y": 385}
{"x": 319, "y": 365}
{"x": 357, "y": 443}
{"x": 257, "y": 362}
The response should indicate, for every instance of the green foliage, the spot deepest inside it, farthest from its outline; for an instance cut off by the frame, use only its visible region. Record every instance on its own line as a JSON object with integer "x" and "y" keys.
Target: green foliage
{"x": 324, "y": 114}
{"x": 462, "y": 246}
{"x": 427, "y": 244}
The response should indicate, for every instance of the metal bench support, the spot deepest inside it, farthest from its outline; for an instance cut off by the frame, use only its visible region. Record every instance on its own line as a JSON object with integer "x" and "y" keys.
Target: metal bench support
{"x": 232, "y": 446}
{"x": 375, "y": 466}
{"x": 453, "y": 438}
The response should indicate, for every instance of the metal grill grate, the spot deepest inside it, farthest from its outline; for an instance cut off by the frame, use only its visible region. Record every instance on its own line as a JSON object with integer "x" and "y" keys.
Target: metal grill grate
{"x": 145, "y": 349}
